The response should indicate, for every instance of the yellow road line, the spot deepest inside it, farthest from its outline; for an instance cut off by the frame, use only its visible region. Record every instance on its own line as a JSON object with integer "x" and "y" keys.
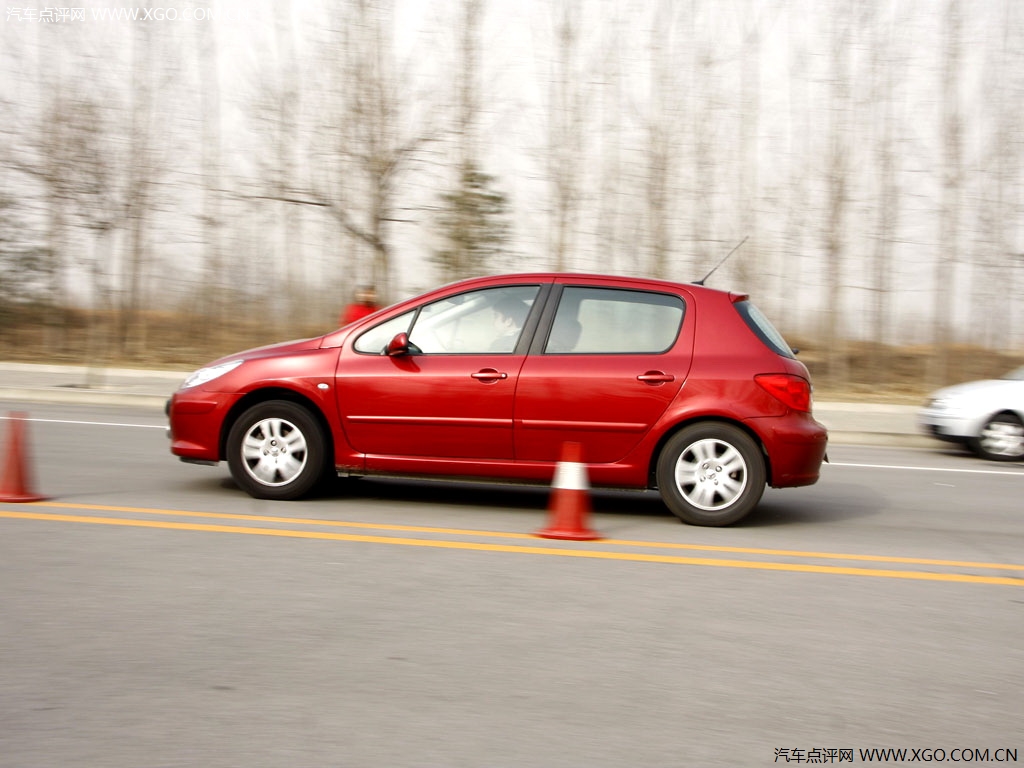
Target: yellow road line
{"x": 531, "y": 550}
{"x": 511, "y": 535}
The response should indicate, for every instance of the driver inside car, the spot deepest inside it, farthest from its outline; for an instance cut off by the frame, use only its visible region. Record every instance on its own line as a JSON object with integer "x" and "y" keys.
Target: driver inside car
{"x": 509, "y": 317}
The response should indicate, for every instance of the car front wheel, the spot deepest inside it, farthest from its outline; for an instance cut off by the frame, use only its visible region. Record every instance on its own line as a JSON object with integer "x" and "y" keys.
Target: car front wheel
{"x": 711, "y": 474}
{"x": 1001, "y": 439}
{"x": 276, "y": 450}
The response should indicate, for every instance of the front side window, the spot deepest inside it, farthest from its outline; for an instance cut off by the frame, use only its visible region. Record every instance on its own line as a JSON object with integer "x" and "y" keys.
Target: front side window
{"x": 611, "y": 321}
{"x": 477, "y": 322}
{"x": 375, "y": 340}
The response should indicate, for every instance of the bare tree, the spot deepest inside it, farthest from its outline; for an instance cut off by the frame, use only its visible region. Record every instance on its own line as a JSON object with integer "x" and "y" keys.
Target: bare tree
{"x": 751, "y": 21}
{"x": 887, "y": 65}
{"x": 704, "y": 109}
{"x": 61, "y": 162}
{"x": 96, "y": 208}
{"x": 211, "y": 160}
{"x": 472, "y": 214}
{"x": 142, "y": 172}
{"x": 372, "y": 140}
{"x": 662, "y": 140}
{"x": 565, "y": 133}
{"x": 838, "y": 176}
{"x": 614, "y": 236}
{"x": 466, "y": 129}
{"x": 993, "y": 269}
{"x": 37, "y": 152}
{"x": 952, "y": 178}
{"x": 789, "y": 292}
{"x": 277, "y": 104}
{"x": 22, "y": 259}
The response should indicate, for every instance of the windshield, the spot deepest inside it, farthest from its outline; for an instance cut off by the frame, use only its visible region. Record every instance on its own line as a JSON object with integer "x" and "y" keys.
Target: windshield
{"x": 1017, "y": 375}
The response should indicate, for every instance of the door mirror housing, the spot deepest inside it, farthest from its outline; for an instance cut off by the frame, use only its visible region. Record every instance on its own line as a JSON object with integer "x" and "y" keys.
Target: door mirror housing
{"x": 399, "y": 345}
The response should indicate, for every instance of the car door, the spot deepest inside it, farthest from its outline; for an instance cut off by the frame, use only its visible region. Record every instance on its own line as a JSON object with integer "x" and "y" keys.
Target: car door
{"x": 611, "y": 362}
{"x": 450, "y": 392}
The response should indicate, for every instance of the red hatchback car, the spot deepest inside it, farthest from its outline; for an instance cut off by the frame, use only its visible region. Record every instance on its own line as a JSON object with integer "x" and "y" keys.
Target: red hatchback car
{"x": 671, "y": 386}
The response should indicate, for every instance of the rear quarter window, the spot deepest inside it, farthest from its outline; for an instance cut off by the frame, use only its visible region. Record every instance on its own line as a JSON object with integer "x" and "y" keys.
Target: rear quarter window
{"x": 763, "y": 329}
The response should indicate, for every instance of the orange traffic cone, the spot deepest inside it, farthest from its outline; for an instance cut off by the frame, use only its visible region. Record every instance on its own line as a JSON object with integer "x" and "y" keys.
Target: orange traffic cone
{"x": 570, "y": 503}
{"x": 16, "y": 482}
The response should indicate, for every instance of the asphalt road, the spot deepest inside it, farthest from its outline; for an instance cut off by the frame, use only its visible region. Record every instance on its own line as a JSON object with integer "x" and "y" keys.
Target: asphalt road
{"x": 151, "y": 614}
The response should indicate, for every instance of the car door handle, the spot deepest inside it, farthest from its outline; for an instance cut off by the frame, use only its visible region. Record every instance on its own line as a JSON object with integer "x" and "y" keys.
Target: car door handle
{"x": 489, "y": 374}
{"x": 655, "y": 377}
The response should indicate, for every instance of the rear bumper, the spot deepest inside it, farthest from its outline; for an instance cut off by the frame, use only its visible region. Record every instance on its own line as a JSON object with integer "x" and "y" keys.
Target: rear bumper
{"x": 795, "y": 445}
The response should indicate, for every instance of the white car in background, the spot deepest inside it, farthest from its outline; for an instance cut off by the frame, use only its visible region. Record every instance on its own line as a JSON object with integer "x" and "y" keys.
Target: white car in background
{"x": 986, "y": 416}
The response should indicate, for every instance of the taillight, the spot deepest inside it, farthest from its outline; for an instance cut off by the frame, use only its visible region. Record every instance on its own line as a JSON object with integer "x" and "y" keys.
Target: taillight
{"x": 792, "y": 391}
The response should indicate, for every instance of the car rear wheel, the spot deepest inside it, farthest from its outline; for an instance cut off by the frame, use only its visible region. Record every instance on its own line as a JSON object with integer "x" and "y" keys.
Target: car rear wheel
{"x": 711, "y": 474}
{"x": 276, "y": 450}
{"x": 1001, "y": 439}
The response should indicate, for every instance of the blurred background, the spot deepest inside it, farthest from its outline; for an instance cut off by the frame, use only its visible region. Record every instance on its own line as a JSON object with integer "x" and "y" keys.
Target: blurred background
{"x": 183, "y": 180}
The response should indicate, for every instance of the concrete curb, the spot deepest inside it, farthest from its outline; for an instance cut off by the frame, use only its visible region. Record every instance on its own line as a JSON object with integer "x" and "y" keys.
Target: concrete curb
{"x": 70, "y": 384}
{"x": 83, "y": 397}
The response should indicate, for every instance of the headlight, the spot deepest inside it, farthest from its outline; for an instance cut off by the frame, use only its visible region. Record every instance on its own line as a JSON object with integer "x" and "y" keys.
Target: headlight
{"x": 204, "y": 375}
{"x": 954, "y": 407}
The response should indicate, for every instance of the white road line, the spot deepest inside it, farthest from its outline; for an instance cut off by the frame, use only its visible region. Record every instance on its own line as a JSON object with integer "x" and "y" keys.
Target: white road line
{"x": 927, "y": 469}
{"x": 90, "y": 423}
{"x": 1010, "y": 473}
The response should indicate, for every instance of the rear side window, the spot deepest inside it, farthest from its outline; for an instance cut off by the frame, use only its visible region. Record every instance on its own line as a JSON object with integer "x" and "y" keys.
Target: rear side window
{"x": 609, "y": 321}
{"x": 763, "y": 328}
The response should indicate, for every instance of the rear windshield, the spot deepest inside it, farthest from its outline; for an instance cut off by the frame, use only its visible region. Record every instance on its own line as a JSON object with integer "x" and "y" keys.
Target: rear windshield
{"x": 763, "y": 328}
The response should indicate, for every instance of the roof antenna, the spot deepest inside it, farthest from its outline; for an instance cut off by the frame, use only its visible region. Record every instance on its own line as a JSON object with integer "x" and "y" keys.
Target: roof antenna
{"x": 730, "y": 253}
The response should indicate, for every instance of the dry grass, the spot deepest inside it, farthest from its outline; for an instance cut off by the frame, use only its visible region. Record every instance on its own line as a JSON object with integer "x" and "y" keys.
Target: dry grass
{"x": 887, "y": 374}
{"x": 159, "y": 340}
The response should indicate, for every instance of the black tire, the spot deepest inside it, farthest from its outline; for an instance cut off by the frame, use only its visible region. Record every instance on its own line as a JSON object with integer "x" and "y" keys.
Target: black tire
{"x": 276, "y": 450}
{"x": 1000, "y": 439}
{"x": 711, "y": 474}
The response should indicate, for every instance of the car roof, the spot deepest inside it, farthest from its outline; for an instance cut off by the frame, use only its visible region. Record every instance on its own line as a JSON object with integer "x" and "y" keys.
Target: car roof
{"x": 563, "y": 277}
{"x": 640, "y": 283}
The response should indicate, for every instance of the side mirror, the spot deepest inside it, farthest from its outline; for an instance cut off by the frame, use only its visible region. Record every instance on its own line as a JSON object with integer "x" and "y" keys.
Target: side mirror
{"x": 398, "y": 345}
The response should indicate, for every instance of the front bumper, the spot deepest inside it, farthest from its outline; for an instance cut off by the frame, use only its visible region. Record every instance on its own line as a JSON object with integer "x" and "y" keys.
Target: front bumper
{"x": 947, "y": 425}
{"x": 195, "y": 420}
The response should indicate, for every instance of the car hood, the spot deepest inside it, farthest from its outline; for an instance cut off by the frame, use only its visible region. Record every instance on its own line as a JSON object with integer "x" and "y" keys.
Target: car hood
{"x": 272, "y": 350}
{"x": 994, "y": 389}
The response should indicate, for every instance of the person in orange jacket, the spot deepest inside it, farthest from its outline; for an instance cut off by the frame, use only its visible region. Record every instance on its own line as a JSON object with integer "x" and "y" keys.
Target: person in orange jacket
{"x": 364, "y": 303}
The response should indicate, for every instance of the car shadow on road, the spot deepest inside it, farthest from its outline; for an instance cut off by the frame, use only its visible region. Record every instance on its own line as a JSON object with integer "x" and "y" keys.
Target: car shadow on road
{"x": 820, "y": 505}
{"x": 836, "y": 503}
{"x": 499, "y": 496}
{"x": 802, "y": 506}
